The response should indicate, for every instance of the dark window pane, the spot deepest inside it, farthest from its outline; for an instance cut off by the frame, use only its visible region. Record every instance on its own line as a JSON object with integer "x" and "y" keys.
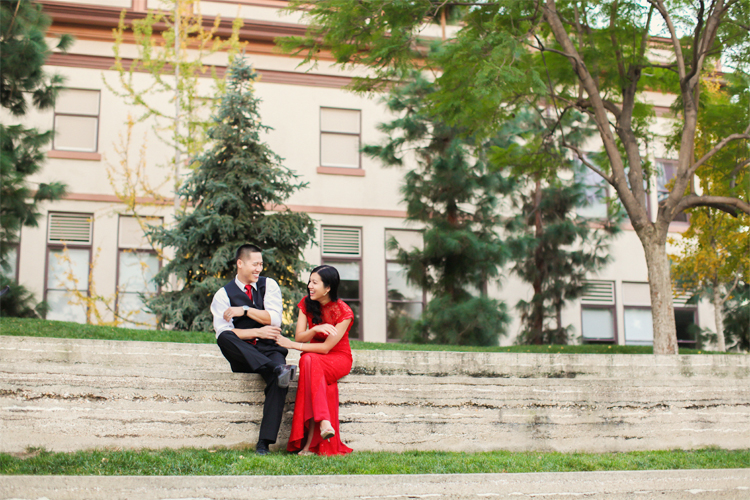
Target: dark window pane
{"x": 685, "y": 323}
{"x": 400, "y": 317}
{"x": 354, "y": 333}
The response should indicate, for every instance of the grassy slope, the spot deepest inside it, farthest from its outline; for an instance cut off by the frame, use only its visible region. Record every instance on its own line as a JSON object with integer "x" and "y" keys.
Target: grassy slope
{"x": 60, "y": 329}
{"x": 244, "y": 461}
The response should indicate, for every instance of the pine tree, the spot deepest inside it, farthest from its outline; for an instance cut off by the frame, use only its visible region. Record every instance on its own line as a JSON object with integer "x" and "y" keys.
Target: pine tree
{"x": 24, "y": 51}
{"x": 452, "y": 193}
{"x": 234, "y": 183}
{"x": 554, "y": 251}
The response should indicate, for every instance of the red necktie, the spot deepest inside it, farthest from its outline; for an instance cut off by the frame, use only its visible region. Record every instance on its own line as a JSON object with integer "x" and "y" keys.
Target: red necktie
{"x": 249, "y": 292}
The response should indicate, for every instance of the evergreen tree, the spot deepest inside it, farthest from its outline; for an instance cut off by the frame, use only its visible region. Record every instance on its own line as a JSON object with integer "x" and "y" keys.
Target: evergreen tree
{"x": 554, "y": 251}
{"x": 24, "y": 51}
{"x": 452, "y": 193}
{"x": 230, "y": 189}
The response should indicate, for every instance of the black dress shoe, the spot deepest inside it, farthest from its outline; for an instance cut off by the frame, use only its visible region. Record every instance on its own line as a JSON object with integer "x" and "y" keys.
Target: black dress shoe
{"x": 262, "y": 447}
{"x": 285, "y": 373}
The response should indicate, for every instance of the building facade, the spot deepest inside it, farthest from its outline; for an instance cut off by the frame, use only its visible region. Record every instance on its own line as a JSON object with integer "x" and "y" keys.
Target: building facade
{"x": 89, "y": 242}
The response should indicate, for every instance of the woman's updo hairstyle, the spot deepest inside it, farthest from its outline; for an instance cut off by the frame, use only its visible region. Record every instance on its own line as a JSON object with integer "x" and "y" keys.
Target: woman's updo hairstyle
{"x": 330, "y": 278}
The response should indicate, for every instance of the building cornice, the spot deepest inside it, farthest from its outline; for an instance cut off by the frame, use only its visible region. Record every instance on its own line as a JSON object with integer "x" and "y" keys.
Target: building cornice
{"x": 70, "y": 18}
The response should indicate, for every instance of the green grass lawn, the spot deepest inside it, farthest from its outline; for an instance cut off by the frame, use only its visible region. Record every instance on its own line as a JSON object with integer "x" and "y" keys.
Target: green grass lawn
{"x": 191, "y": 461}
{"x": 61, "y": 329}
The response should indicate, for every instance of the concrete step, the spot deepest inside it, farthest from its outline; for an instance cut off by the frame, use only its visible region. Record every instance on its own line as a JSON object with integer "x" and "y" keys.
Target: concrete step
{"x": 722, "y": 484}
{"x": 66, "y": 394}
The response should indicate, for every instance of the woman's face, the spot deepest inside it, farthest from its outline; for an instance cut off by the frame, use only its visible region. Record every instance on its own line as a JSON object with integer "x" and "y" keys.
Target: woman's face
{"x": 316, "y": 287}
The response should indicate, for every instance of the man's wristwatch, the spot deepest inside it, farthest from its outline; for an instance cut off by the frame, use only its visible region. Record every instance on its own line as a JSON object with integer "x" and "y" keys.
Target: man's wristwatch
{"x": 246, "y": 309}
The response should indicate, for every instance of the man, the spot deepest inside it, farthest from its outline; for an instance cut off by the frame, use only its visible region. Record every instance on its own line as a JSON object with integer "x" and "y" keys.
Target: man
{"x": 247, "y": 321}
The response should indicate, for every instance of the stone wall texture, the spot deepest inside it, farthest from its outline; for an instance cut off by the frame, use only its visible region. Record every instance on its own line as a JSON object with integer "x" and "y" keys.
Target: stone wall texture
{"x": 64, "y": 395}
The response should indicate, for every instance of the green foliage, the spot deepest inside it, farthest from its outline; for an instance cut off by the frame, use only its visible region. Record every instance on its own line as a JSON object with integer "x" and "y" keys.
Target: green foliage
{"x": 222, "y": 461}
{"x": 61, "y": 329}
{"x": 453, "y": 193}
{"x": 554, "y": 251}
{"x": 24, "y": 51}
{"x": 597, "y": 57}
{"x": 234, "y": 183}
{"x": 737, "y": 318}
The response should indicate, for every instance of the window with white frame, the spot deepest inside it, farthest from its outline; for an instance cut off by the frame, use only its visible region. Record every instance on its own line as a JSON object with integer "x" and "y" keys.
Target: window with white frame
{"x": 342, "y": 248}
{"x": 405, "y": 301}
{"x": 598, "y": 314}
{"x": 69, "y": 237}
{"x": 137, "y": 264}
{"x": 340, "y": 137}
{"x": 76, "y": 122}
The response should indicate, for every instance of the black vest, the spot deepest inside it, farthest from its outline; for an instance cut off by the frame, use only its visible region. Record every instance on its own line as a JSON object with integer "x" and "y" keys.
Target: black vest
{"x": 238, "y": 298}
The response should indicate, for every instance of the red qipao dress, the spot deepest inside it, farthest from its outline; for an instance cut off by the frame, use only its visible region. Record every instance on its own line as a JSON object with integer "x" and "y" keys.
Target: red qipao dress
{"x": 317, "y": 387}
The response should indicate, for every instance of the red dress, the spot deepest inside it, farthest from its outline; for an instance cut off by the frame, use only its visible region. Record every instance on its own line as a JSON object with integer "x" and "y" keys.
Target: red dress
{"x": 317, "y": 388}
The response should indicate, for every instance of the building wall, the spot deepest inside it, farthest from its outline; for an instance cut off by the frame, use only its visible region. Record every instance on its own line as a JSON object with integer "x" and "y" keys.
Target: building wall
{"x": 292, "y": 99}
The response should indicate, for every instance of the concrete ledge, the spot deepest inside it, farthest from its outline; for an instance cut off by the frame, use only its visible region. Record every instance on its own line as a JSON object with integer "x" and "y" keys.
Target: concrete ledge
{"x": 722, "y": 484}
{"x": 65, "y": 394}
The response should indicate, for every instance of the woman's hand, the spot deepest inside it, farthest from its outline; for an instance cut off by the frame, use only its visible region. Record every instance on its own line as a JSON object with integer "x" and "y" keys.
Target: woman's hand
{"x": 233, "y": 312}
{"x": 284, "y": 342}
{"x": 325, "y": 329}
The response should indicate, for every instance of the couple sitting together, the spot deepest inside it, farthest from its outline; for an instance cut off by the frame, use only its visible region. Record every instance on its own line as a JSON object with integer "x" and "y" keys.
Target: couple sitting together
{"x": 247, "y": 319}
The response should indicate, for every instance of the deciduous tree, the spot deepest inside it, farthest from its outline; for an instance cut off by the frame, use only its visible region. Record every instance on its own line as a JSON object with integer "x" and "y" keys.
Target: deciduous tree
{"x": 596, "y": 57}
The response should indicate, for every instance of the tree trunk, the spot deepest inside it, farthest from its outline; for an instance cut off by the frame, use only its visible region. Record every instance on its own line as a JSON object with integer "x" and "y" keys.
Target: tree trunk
{"x": 719, "y": 318}
{"x": 660, "y": 287}
{"x": 537, "y": 326}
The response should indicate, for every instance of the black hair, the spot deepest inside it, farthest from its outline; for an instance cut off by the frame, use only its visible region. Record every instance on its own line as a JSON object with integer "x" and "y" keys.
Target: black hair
{"x": 245, "y": 250}
{"x": 330, "y": 278}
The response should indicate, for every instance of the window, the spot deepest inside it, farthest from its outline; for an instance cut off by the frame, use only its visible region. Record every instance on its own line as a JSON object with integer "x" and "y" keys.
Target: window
{"x": 342, "y": 249}
{"x": 685, "y": 320}
{"x": 11, "y": 258}
{"x": 137, "y": 263}
{"x": 666, "y": 173}
{"x": 639, "y": 328}
{"x": 598, "y": 317}
{"x": 77, "y": 120}
{"x": 404, "y": 301}
{"x": 595, "y": 190}
{"x": 340, "y": 138}
{"x": 69, "y": 239}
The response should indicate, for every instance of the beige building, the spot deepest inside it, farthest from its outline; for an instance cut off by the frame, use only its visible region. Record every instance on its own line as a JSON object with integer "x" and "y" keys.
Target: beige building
{"x": 318, "y": 128}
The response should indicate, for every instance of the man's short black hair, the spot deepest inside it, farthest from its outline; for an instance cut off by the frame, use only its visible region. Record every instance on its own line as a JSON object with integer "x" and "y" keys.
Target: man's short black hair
{"x": 245, "y": 250}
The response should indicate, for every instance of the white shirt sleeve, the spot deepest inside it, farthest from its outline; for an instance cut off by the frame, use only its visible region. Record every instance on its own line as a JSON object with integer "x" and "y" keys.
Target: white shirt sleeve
{"x": 218, "y": 306}
{"x": 272, "y": 302}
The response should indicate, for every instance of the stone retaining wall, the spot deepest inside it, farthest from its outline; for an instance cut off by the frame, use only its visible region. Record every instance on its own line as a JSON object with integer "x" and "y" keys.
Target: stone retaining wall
{"x": 65, "y": 394}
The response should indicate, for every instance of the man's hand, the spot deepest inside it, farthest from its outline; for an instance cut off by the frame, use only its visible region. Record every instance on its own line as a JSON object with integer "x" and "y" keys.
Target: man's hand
{"x": 233, "y": 312}
{"x": 269, "y": 332}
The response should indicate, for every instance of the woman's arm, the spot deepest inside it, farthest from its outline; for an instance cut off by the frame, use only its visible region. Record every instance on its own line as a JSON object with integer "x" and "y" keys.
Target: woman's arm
{"x": 320, "y": 348}
{"x": 302, "y": 334}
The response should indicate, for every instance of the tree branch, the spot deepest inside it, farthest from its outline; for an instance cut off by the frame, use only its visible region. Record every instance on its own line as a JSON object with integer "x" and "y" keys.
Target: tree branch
{"x": 615, "y": 43}
{"x": 659, "y": 5}
{"x": 723, "y": 203}
{"x": 736, "y": 172}
{"x": 582, "y": 157}
{"x": 718, "y": 147}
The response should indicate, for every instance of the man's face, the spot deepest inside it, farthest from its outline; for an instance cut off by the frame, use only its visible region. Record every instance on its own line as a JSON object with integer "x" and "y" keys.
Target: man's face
{"x": 249, "y": 269}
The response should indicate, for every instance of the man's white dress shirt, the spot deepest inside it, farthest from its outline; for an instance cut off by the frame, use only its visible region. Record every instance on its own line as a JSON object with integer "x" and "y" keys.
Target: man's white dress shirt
{"x": 271, "y": 303}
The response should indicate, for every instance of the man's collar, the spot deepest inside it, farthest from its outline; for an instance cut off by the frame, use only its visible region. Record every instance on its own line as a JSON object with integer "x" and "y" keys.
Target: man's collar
{"x": 241, "y": 285}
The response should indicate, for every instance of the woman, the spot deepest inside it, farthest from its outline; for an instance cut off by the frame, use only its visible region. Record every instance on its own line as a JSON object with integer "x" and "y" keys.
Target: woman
{"x": 323, "y": 337}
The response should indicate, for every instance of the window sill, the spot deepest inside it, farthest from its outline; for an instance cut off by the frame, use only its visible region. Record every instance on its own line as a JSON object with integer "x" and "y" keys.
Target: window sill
{"x": 74, "y": 155}
{"x": 357, "y": 172}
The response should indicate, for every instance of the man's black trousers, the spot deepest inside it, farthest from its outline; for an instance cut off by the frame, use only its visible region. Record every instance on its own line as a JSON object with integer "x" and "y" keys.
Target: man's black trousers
{"x": 262, "y": 358}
